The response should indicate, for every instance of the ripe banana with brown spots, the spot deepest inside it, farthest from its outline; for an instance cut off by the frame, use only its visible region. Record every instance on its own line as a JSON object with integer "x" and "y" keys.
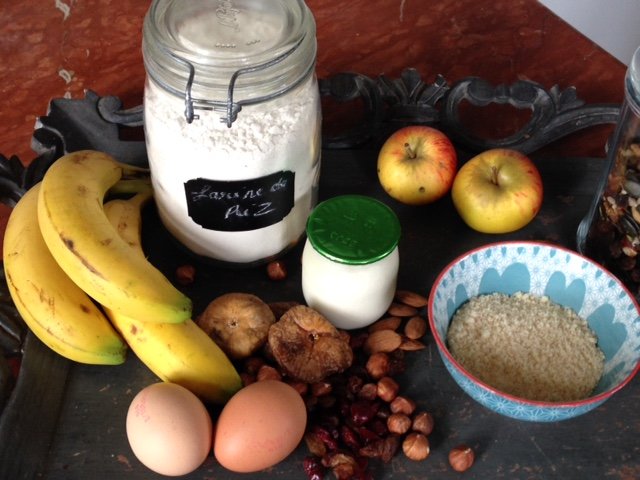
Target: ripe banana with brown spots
{"x": 88, "y": 248}
{"x": 182, "y": 352}
{"x": 55, "y": 309}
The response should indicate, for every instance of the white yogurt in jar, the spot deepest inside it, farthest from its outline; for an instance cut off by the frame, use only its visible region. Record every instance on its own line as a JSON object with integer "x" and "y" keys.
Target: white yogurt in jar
{"x": 350, "y": 260}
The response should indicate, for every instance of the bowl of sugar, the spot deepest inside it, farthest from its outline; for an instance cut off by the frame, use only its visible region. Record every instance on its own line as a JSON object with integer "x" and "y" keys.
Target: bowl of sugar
{"x": 534, "y": 331}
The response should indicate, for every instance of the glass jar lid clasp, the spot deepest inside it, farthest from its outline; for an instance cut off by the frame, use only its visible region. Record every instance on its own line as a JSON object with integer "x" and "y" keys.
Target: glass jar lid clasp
{"x": 230, "y": 107}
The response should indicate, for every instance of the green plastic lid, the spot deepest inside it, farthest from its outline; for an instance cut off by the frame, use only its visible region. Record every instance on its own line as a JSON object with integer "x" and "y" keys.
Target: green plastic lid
{"x": 353, "y": 229}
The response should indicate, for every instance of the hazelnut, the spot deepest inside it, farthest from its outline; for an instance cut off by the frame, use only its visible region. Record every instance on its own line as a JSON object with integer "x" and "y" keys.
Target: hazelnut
{"x": 301, "y": 387}
{"x": 369, "y": 391}
{"x": 247, "y": 378}
{"x": 402, "y": 405}
{"x": 253, "y": 364}
{"x": 387, "y": 389}
{"x": 398, "y": 423}
{"x": 416, "y": 446}
{"x": 378, "y": 365}
{"x": 277, "y": 270}
{"x": 423, "y": 422}
{"x": 186, "y": 274}
{"x": 267, "y": 372}
{"x": 461, "y": 458}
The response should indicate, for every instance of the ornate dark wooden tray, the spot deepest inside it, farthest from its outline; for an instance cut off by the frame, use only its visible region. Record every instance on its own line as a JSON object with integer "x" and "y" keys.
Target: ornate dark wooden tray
{"x": 64, "y": 420}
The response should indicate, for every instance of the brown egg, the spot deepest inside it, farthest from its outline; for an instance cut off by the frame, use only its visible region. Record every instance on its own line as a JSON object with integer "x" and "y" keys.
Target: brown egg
{"x": 169, "y": 429}
{"x": 259, "y": 426}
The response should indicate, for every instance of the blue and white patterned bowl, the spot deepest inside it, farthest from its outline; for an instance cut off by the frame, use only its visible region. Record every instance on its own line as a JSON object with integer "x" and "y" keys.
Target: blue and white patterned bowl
{"x": 565, "y": 277}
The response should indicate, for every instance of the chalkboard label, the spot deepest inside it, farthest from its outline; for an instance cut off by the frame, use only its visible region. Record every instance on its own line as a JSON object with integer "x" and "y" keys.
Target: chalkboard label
{"x": 235, "y": 206}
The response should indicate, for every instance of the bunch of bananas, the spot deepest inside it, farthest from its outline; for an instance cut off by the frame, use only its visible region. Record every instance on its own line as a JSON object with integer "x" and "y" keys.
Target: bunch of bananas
{"x": 78, "y": 276}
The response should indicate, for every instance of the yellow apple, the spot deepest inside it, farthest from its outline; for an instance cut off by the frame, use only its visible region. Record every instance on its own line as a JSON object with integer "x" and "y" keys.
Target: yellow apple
{"x": 417, "y": 165}
{"x": 498, "y": 191}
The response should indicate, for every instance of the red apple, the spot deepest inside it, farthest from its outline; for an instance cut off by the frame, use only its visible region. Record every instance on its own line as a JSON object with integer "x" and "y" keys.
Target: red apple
{"x": 498, "y": 191}
{"x": 417, "y": 165}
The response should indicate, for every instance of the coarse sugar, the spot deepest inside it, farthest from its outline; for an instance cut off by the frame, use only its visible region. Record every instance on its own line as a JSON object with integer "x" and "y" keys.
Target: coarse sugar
{"x": 526, "y": 345}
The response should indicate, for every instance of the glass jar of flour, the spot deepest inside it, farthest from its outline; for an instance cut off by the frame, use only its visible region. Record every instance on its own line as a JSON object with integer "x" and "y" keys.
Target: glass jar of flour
{"x": 232, "y": 124}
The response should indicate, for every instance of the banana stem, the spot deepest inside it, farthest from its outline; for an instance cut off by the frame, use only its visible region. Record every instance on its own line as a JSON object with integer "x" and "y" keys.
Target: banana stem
{"x": 131, "y": 186}
{"x": 140, "y": 199}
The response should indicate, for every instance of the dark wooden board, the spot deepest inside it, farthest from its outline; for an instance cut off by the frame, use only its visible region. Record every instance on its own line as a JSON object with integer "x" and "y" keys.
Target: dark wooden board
{"x": 90, "y": 440}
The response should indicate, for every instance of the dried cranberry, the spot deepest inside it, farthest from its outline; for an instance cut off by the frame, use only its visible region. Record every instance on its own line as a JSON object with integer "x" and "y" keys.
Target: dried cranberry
{"x": 349, "y": 438}
{"x": 379, "y": 427}
{"x": 372, "y": 450}
{"x": 390, "y": 446}
{"x": 397, "y": 364}
{"x": 362, "y": 412}
{"x": 328, "y": 420}
{"x": 354, "y": 384}
{"x": 326, "y": 437}
{"x": 357, "y": 341}
{"x": 367, "y": 435}
{"x": 313, "y": 468}
{"x": 383, "y": 411}
{"x": 344, "y": 408}
{"x": 314, "y": 444}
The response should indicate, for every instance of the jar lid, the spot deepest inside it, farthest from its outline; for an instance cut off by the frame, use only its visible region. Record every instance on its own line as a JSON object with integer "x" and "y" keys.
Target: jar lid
{"x": 210, "y": 50}
{"x": 353, "y": 229}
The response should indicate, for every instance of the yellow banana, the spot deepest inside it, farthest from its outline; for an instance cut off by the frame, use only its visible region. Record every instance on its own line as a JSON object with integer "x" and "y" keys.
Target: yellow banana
{"x": 124, "y": 216}
{"x": 89, "y": 249}
{"x": 56, "y": 310}
{"x": 181, "y": 353}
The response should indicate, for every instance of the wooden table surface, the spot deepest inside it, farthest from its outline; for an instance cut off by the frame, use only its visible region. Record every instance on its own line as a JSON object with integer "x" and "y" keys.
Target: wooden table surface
{"x": 59, "y": 49}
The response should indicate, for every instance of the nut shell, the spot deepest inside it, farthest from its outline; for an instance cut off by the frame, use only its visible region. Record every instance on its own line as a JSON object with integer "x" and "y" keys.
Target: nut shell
{"x": 461, "y": 458}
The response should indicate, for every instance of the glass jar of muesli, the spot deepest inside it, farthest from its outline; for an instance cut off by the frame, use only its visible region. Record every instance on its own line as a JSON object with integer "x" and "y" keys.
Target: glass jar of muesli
{"x": 610, "y": 232}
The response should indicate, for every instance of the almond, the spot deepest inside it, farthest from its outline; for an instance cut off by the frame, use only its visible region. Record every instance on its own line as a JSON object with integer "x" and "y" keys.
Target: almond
{"x": 409, "y": 345}
{"x": 411, "y": 298}
{"x": 401, "y": 310}
{"x": 415, "y": 327}
{"x": 387, "y": 323}
{"x": 382, "y": 341}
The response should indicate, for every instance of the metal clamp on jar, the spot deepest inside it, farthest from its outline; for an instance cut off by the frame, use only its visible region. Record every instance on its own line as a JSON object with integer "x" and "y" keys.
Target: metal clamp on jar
{"x": 232, "y": 124}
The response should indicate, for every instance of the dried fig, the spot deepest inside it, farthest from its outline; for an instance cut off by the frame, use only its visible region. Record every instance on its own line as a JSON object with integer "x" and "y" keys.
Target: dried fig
{"x": 307, "y": 346}
{"x": 238, "y": 322}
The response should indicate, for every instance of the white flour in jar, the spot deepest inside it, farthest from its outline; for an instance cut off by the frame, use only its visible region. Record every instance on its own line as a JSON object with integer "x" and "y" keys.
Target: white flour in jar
{"x": 280, "y": 135}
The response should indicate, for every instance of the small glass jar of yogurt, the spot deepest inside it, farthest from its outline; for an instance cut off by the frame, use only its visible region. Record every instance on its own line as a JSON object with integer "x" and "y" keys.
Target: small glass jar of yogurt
{"x": 350, "y": 260}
